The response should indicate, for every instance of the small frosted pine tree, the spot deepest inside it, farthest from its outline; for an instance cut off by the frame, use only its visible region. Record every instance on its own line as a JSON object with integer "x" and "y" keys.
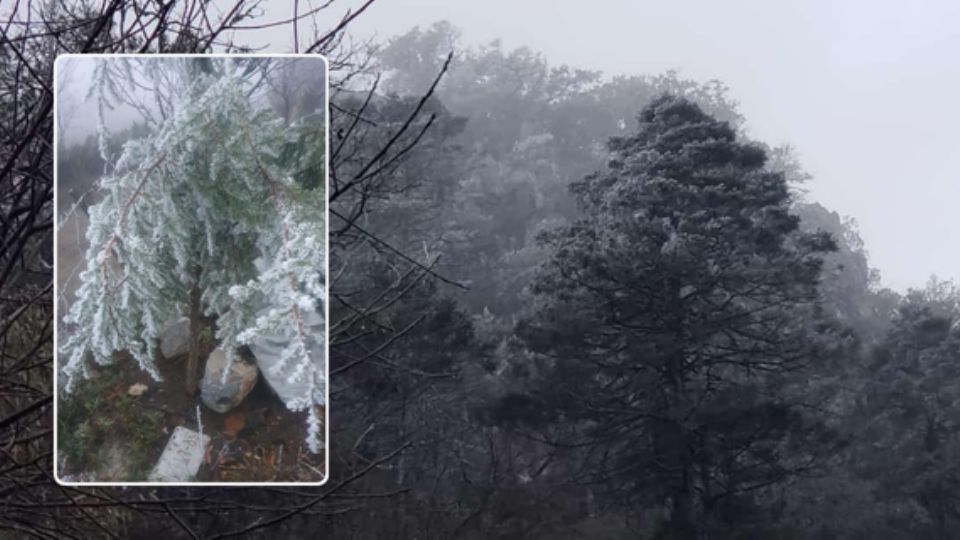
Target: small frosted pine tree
{"x": 219, "y": 208}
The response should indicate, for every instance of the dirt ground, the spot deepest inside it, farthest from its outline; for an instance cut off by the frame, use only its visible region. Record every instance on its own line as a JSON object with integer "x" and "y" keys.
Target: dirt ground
{"x": 258, "y": 441}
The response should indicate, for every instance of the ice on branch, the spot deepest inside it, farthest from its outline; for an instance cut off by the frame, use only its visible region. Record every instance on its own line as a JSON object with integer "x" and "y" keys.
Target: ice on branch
{"x": 215, "y": 199}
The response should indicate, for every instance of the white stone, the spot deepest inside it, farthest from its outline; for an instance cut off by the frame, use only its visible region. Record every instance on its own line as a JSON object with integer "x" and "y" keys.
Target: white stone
{"x": 181, "y": 458}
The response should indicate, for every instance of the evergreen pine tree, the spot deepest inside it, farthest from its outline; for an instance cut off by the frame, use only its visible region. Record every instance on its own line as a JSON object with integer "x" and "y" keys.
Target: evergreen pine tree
{"x": 671, "y": 313}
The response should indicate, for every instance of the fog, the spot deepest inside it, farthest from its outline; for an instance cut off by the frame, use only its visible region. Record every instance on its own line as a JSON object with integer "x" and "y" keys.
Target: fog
{"x": 864, "y": 91}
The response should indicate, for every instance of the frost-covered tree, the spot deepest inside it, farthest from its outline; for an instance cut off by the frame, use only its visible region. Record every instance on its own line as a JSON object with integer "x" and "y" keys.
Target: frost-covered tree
{"x": 218, "y": 209}
{"x": 672, "y": 317}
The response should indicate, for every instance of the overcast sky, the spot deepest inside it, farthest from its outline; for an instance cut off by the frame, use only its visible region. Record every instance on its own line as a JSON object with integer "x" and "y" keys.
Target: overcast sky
{"x": 866, "y": 91}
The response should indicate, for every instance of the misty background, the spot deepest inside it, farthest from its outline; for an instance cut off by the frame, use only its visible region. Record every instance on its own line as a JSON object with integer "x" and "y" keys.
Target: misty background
{"x": 862, "y": 91}
{"x": 865, "y": 92}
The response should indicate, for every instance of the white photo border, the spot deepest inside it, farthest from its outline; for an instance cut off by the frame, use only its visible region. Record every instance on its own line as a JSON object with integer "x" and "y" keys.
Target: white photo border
{"x": 326, "y": 303}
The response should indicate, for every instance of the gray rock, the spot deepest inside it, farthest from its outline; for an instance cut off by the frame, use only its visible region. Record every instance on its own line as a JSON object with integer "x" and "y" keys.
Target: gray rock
{"x": 181, "y": 458}
{"x": 175, "y": 338}
{"x": 268, "y": 348}
{"x": 222, "y": 395}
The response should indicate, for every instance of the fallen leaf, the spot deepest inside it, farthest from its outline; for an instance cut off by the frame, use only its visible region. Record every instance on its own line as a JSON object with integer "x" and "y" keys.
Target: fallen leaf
{"x": 137, "y": 389}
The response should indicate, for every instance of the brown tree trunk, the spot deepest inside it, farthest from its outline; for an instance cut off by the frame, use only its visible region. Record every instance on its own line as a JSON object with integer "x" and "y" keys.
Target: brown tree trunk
{"x": 193, "y": 353}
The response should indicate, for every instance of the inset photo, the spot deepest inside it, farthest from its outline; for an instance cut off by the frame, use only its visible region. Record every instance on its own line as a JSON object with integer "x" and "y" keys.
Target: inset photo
{"x": 191, "y": 269}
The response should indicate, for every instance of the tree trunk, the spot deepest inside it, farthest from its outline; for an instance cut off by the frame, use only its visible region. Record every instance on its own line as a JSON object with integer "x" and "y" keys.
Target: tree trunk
{"x": 683, "y": 515}
{"x": 193, "y": 354}
{"x": 682, "y": 519}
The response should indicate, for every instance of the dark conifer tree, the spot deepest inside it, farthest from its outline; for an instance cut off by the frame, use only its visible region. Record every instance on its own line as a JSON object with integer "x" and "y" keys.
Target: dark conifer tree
{"x": 673, "y": 316}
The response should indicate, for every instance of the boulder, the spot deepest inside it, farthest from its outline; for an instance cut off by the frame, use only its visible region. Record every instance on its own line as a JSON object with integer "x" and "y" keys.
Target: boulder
{"x": 222, "y": 394}
{"x": 175, "y": 338}
{"x": 182, "y": 457}
{"x": 268, "y": 349}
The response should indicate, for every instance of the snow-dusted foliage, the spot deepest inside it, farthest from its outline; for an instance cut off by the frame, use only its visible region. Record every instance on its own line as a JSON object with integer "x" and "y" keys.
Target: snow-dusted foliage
{"x": 218, "y": 185}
